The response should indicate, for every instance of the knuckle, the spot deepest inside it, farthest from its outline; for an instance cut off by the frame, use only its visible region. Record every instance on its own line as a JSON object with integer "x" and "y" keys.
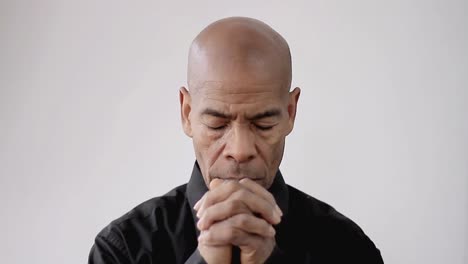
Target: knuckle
{"x": 270, "y": 197}
{"x": 206, "y": 238}
{"x": 208, "y": 198}
{"x": 228, "y": 233}
{"x": 232, "y": 234}
{"x": 233, "y": 206}
{"x": 256, "y": 243}
{"x": 272, "y": 212}
{"x": 208, "y": 212}
{"x": 242, "y": 220}
{"x": 266, "y": 228}
{"x": 241, "y": 208}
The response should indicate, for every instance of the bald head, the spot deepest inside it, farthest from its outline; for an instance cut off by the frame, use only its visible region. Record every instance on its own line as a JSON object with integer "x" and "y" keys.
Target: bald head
{"x": 239, "y": 110}
{"x": 239, "y": 47}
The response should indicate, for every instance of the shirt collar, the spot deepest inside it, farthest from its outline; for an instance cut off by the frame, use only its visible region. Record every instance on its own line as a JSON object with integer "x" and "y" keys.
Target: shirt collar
{"x": 196, "y": 188}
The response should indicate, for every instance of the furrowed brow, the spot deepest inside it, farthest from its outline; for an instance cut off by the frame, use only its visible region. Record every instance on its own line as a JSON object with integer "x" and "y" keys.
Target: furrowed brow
{"x": 269, "y": 113}
{"x": 215, "y": 113}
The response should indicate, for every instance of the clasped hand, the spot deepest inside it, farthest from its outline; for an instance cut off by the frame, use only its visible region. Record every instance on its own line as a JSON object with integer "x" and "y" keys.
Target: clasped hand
{"x": 237, "y": 213}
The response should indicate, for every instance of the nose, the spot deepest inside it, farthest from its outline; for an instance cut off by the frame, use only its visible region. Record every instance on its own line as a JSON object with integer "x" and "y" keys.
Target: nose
{"x": 240, "y": 145}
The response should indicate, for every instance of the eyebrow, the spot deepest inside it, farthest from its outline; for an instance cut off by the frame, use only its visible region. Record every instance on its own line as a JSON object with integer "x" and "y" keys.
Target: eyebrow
{"x": 268, "y": 113}
{"x": 215, "y": 113}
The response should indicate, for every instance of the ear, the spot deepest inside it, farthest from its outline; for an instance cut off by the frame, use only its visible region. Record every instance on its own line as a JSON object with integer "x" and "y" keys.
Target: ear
{"x": 185, "y": 108}
{"x": 292, "y": 107}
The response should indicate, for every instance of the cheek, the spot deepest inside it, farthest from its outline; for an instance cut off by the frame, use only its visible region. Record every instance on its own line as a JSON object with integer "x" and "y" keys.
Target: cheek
{"x": 272, "y": 145}
{"x": 273, "y": 151}
{"x": 273, "y": 138}
{"x": 206, "y": 137}
{"x": 206, "y": 143}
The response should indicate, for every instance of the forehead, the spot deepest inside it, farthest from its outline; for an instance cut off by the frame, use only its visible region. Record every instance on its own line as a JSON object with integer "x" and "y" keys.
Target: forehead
{"x": 239, "y": 93}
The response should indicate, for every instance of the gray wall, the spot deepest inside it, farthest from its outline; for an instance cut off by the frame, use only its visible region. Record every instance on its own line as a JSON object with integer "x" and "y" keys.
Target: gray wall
{"x": 89, "y": 121}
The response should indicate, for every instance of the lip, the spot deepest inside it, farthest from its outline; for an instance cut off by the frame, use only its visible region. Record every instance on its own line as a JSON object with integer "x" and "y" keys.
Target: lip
{"x": 240, "y": 178}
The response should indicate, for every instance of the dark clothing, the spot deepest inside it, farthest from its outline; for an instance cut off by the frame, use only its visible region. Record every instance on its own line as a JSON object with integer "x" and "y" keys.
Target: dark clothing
{"x": 162, "y": 230}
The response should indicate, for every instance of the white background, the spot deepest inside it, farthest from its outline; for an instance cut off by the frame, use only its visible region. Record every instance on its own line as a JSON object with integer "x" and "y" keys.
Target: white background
{"x": 89, "y": 117}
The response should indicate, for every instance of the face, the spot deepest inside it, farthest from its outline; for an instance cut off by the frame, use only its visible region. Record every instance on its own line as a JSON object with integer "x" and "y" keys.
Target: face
{"x": 239, "y": 127}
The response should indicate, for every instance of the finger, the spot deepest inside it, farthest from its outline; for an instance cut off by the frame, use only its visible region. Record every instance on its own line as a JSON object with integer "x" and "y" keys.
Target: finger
{"x": 216, "y": 254}
{"x": 257, "y": 205}
{"x": 252, "y": 225}
{"x": 264, "y": 193}
{"x": 219, "y": 193}
{"x": 213, "y": 184}
{"x": 197, "y": 204}
{"x": 221, "y": 211}
{"x": 242, "y": 201}
{"x": 226, "y": 232}
{"x": 256, "y": 249}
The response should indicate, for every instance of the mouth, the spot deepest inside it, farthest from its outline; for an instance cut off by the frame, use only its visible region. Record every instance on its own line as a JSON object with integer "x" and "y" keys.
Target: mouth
{"x": 239, "y": 178}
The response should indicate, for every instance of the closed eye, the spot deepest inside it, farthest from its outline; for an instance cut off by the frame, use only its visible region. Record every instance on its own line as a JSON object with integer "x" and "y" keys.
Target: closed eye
{"x": 217, "y": 128}
{"x": 264, "y": 128}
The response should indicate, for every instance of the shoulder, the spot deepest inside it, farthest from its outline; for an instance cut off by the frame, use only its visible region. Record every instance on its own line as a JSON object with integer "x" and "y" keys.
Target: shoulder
{"x": 319, "y": 211}
{"x": 149, "y": 212}
{"x": 315, "y": 209}
{"x": 134, "y": 230}
{"x": 333, "y": 231}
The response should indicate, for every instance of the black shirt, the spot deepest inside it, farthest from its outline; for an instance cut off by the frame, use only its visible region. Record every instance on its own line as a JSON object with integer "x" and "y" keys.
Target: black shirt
{"x": 162, "y": 230}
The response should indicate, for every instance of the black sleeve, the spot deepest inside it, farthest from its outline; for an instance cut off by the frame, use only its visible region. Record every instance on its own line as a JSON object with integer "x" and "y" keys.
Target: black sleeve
{"x": 366, "y": 252}
{"x": 108, "y": 249}
{"x": 359, "y": 248}
{"x": 346, "y": 242}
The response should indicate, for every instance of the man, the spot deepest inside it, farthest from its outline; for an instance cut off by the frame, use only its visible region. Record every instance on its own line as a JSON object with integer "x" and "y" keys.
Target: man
{"x": 236, "y": 207}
